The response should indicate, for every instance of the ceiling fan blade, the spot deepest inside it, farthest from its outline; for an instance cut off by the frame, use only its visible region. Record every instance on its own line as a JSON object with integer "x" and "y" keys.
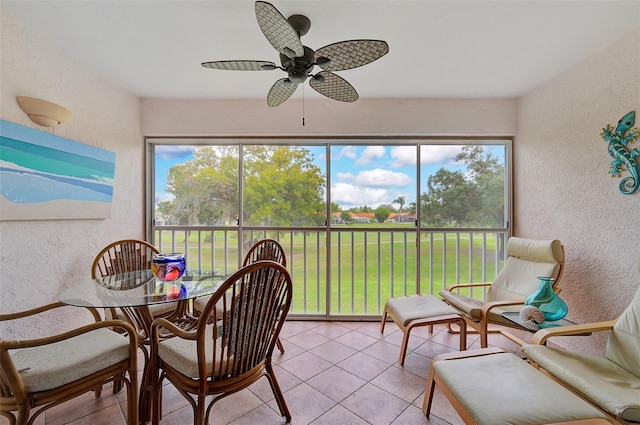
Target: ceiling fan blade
{"x": 241, "y": 65}
{"x": 333, "y": 86}
{"x": 281, "y": 91}
{"x": 278, "y": 30}
{"x": 350, "y": 54}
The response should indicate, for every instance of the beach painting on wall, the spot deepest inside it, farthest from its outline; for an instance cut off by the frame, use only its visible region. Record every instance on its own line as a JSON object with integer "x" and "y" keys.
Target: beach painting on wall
{"x": 46, "y": 177}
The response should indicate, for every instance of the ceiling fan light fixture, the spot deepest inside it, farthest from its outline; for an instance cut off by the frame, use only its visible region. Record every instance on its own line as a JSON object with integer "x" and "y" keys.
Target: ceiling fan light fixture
{"x": 44, "y": 113}
{"x": 288, "y": 52}
{"x": 322, "y": 61}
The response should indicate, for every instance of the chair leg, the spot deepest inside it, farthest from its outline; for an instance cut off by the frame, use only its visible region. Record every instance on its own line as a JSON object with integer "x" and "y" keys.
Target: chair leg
{"x": 132, "y": 400}
{"x": 277, "y": 392}
{"x": 484, "y": 340}
{"x": 463, "y": 334}
{"x": 117, "y": 385}
{"x": 384, "y": 320}
{"x": 199, "y": 411}
{"x": 428, "y": 395}
{"x": 405, "y": 343}
{"x": 279, "y": 344}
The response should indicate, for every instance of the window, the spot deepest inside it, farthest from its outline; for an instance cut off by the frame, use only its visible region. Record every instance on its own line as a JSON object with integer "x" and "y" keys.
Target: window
{"x": 361, "y": 221}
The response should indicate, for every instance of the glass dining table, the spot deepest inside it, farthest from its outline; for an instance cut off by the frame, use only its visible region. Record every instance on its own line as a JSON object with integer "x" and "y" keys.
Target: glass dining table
{"x": 134, "y": 294}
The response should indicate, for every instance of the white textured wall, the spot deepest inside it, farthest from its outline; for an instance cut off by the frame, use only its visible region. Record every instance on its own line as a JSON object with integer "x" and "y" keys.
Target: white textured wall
{"x": 40, "y": 258}
{"x": 380, "y": 117}
{"x": 562, "y": 185}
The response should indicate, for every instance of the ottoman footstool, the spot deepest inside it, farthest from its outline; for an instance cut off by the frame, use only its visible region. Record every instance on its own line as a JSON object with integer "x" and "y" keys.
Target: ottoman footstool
{"x": 493, "y": 387}
{"x": 421, "y": 310}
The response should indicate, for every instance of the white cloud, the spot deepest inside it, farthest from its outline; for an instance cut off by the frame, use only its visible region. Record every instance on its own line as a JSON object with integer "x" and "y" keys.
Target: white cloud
{"x": 162, "y": 197}
{"x": 347, "y": 195}
{"x": 344, "y": 176}
{"x": 403, "y": 156}
{"x": 173, "y": 152}
{"x": 370, "y": 154}
{"x": 347, "y": 151}
{"x": 438, "y": 154}
{"x": 382, "y": 178}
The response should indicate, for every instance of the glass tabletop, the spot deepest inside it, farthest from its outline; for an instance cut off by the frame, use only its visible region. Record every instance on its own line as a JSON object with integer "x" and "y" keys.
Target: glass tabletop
{"x": 514, "y": 316}
{"x": 140, "y": 288}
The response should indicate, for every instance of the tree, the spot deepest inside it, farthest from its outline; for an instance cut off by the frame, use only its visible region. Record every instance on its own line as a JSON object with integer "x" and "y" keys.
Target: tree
{"x": 475, "y": 197}
{"x": 400, "y": 200}
{"x": 382, "y": 214}
{"x": 449, "y": 198}
{"x": 282, "y": 187}
{"x": 346, "y": 217}
{"x": 205, "y": 188}
{"x": 487, "y": 172}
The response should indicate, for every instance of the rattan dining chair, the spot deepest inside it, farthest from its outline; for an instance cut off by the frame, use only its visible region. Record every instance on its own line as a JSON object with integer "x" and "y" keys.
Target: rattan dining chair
{"x": 231, "y": 345}
{"x": 40, "y": 373}
{"x": 127, "y": 255}
{"x": 265, "y": 249}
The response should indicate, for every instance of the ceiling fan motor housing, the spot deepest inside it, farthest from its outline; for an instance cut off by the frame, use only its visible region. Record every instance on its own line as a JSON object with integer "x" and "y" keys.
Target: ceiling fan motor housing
{"x": 298, "y": 68}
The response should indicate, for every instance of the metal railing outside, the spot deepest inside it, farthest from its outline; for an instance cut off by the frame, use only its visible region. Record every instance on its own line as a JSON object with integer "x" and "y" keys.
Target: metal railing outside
{"x": 350, "y": 272}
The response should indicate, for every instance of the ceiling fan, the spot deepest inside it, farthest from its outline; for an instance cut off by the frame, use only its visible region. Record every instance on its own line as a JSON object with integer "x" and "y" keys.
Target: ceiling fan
{"x": 298, "y": 61}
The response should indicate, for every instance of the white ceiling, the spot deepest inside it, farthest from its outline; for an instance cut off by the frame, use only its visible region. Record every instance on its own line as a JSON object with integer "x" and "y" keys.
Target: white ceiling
{"x": 437, "y": 49}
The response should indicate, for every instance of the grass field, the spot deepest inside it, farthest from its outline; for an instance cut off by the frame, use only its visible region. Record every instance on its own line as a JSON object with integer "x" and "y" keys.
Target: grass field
{"x": 365, "y": 267}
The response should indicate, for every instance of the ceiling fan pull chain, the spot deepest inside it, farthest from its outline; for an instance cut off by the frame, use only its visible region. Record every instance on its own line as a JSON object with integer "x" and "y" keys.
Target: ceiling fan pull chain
{"x": 303, "y": 105}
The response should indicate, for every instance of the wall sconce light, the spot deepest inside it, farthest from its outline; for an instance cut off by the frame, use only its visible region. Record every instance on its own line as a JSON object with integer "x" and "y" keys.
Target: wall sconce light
{"x": 44, "y": 113}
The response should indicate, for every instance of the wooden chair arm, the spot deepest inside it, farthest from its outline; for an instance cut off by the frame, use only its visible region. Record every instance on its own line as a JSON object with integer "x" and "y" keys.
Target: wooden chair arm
{"x": 172, "y": 328}
{"x": 469, "y": 353}
{"x": 468, "y": 285}
{"x": 542, "y": 335}
{"x": 32, "y": 312}
{"x": 493, "y": 304}
{"x": 36, "y": 342}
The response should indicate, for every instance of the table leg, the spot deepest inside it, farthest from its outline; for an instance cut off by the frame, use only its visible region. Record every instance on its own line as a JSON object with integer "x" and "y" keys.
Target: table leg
{"x": 144, "y": 402}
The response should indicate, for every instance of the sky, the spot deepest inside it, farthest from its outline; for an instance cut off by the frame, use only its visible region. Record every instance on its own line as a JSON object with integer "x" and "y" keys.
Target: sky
{"x": 370, "y": 175}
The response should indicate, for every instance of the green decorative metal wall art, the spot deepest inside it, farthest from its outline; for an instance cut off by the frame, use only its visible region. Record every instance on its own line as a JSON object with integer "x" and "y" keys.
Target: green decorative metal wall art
{"x": 617, "y": 140}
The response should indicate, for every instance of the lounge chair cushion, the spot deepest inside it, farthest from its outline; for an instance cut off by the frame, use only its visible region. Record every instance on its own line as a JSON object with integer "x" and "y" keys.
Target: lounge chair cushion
{"x": 519, "y": 279}
{"x": 503, "y": 389}
{"x": 605, "y": 383}
{"x": 527, "y": 260}
{"x": 623, "y": 344}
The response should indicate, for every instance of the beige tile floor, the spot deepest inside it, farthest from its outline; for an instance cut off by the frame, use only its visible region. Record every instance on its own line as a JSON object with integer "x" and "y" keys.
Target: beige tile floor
{"x": 331, "y": 373}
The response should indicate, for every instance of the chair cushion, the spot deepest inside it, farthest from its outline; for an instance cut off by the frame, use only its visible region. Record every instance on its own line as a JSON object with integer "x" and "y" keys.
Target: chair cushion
{"x": 598, "y": 379}
{"x": 528, "y": 259}
{"x": 53, "y": 365}
{"x": 549, "y": 251}
{"x": 413, "y": 307}
{"x": 182, "y": 354}
{"x": 519, "y": 278}
{"x": 468, "y": 305}
{"x": 200, "y": 303}
{"x": 472, "y": 307}
{"x": 501, "y": 389}
{"x": 623, "y": 345}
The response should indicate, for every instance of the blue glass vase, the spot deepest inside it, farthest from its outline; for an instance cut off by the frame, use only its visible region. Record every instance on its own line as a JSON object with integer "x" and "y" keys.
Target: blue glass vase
{"x": 168, "y": 267}
{"x": 545, "y": 299}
